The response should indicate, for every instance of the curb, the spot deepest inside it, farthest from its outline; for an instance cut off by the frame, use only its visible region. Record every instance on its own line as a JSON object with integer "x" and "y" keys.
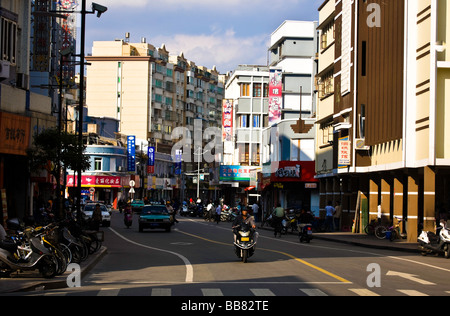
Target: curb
{"x": 61, "y": 282}
{"x": 356, "y": 243}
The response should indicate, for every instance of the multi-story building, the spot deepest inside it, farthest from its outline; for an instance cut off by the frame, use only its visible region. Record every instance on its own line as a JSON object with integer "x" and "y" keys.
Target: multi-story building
{"x": 248, "y": 106}
{"x": 288, "y": 141}
{"x": 277, "y": 144}
{"x": 387, "y": 118}
{"x": 152, "y": 93}
{"x": 22, "y": 113}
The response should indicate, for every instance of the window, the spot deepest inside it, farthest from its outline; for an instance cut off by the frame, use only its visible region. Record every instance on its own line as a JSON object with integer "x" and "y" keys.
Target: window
{"x": 257, "y": 90}
{"x": 364, "y": 59}
{"x": 98, "y": 164}
{"x": 266, "y": 90}
{"x": 243, "y": 154}
{"x": 326, "y": 84}
{"x": 244, "y": 120}
{"x": 256, "y": 121}
{"x": 245, "y": 90}
{"x": 256, "y": 155}
{"x": 327, "y": 134}
{"x": 8, "y": 40}
{"x": 362, "y": 122}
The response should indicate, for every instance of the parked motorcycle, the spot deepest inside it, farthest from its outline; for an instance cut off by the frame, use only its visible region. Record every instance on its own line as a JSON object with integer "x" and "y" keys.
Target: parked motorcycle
{"x": 244, "y": 244}
{"x": 22, "y": 253}
{"x": 430, "y": 243}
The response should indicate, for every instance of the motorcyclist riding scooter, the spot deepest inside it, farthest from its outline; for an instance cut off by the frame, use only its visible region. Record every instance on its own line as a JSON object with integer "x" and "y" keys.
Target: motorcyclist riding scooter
{"x": 128, "y": 216}
{"x": 245, "y": 235}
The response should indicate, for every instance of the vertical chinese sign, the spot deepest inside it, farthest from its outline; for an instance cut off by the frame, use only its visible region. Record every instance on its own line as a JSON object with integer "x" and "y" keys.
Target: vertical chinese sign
{"x": 131, "y": 153}
{"x": 41, "y": 45}
{"x": 227, "y": 120}
{"x": 151, "y": 160}
{"x": 344, "y": 153}
{"x": 275, "y": 96}
{"x": 67, "y": 38}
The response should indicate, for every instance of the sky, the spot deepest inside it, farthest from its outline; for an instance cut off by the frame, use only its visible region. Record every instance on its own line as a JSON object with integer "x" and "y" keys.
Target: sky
{"x": 221, "y": 33}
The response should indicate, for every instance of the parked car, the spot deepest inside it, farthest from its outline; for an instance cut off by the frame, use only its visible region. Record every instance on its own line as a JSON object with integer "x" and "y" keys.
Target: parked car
{"x": 106, "y": 216}
{"x": 154, "y": 217}
{"x": 137, "y": 206}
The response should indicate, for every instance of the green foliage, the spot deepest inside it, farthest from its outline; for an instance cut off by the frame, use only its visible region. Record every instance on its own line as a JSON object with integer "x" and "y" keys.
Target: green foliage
{"x": 51, "y": 147}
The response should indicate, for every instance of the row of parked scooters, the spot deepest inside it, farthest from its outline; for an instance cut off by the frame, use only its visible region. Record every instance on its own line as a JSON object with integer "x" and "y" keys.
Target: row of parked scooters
{"x": 48, "y": 249}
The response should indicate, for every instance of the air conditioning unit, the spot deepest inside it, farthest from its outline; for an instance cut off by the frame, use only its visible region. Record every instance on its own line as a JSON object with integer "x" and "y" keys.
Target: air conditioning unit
{"x": 360, "y": 144}
{"x": 5, "y": 69}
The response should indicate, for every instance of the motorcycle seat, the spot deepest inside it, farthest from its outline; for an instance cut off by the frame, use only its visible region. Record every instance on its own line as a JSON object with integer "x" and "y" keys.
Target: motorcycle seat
{"x": 433, "y": 237}
{"x": 10, "y": 246}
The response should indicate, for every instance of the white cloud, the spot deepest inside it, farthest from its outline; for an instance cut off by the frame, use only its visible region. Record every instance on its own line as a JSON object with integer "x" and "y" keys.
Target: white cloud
{"x": 201, "y": 4}
{"x": 221, "y": 49}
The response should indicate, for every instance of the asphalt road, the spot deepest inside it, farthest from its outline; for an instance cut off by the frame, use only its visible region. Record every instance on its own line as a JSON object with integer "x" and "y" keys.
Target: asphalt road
{"x": 197, "y": 259}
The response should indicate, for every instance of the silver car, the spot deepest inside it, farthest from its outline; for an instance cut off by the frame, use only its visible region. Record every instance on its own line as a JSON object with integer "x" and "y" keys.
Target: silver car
{"x": 89, "y": 210}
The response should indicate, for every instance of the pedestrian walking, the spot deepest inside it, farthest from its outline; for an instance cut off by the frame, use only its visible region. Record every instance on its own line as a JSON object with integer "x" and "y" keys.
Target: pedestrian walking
{"x": 278, "y": 215}
{"x": 218, "y": 213}
{"x": 330, "y": 210}
{"x": 337, "y": 216}
{"x": 255, "y": 209}
{"x": 96, "y": 218}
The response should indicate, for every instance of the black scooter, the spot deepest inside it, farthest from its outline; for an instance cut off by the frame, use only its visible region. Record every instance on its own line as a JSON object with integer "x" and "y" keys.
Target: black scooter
{"x": 244, "y": 244}
{"x": 305, "y": 233}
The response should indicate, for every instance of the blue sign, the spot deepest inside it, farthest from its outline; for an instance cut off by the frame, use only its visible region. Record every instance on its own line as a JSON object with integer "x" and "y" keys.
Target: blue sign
{"x": 235, "y": 173}
{"x": 131, "y": 153}
{"x": 151, "y": 156}
{"x": 178, "y": 162}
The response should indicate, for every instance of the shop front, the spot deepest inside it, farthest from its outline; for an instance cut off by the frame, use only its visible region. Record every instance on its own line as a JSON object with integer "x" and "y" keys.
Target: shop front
{"x": 292, "y": 184}
{"x": 98, "y": 188}
{"x": 15, "y": 138}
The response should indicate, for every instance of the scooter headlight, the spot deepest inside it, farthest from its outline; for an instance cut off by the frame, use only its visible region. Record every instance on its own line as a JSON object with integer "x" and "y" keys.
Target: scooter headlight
{"x": 244, "y": 234}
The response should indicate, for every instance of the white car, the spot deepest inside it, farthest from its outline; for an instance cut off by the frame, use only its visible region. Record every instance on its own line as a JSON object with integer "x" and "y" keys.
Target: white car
{"x": 106, "y": 216}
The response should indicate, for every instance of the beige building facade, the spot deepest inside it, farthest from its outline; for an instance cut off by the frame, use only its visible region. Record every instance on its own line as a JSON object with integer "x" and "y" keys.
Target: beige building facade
{"x": 394, "y": 120}
{"x": 151, "y": 92}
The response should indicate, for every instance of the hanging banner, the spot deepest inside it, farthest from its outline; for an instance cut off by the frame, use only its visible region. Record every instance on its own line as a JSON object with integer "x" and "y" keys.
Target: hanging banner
{"x": 151, "y": 160}
{"x": 227, "y": 120}
{"x": 275, "y": 96}
{"x": 344, "y": 153}
{"x": 131, "y": 153}
{"x": 178, "y": 162}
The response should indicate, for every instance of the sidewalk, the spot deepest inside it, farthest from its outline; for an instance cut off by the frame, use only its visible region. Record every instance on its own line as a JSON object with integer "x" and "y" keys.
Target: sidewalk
{"x": 367, "y": 241}
{"x": 363, "y": 240}
{"x": 32, "y": 280}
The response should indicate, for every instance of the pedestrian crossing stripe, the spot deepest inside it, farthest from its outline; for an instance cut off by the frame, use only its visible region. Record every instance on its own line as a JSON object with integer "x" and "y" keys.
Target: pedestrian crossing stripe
{"x": 216, "y": 292}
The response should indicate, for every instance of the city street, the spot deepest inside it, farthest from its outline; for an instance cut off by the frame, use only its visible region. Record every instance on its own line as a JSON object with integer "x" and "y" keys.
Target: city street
{"x": 197, "y": 259}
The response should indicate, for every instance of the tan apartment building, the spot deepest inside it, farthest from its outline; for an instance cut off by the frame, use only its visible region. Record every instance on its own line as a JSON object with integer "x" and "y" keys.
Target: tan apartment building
{"x": 150, "y": 92}
{"x": 389, "y": 137}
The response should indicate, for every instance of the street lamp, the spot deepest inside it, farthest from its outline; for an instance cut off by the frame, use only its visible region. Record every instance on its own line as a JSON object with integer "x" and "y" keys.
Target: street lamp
{"x": 100, "y": 10}
{"x": 198, "y": 168}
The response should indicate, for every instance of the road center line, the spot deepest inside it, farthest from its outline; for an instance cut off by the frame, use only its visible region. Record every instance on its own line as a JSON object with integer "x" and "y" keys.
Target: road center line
{"x": 187, "y": 263}
{"x": 275, "y": 251}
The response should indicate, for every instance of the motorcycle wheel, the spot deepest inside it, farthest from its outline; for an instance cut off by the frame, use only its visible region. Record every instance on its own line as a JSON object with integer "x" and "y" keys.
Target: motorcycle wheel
{"x": 48, "y": 267}
{"x": 447, "y": 251}
{"x": 244, "y": 256}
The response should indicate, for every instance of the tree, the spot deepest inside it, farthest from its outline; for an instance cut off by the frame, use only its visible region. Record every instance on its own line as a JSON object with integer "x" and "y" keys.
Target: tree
{"x": 55, "y": 148}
